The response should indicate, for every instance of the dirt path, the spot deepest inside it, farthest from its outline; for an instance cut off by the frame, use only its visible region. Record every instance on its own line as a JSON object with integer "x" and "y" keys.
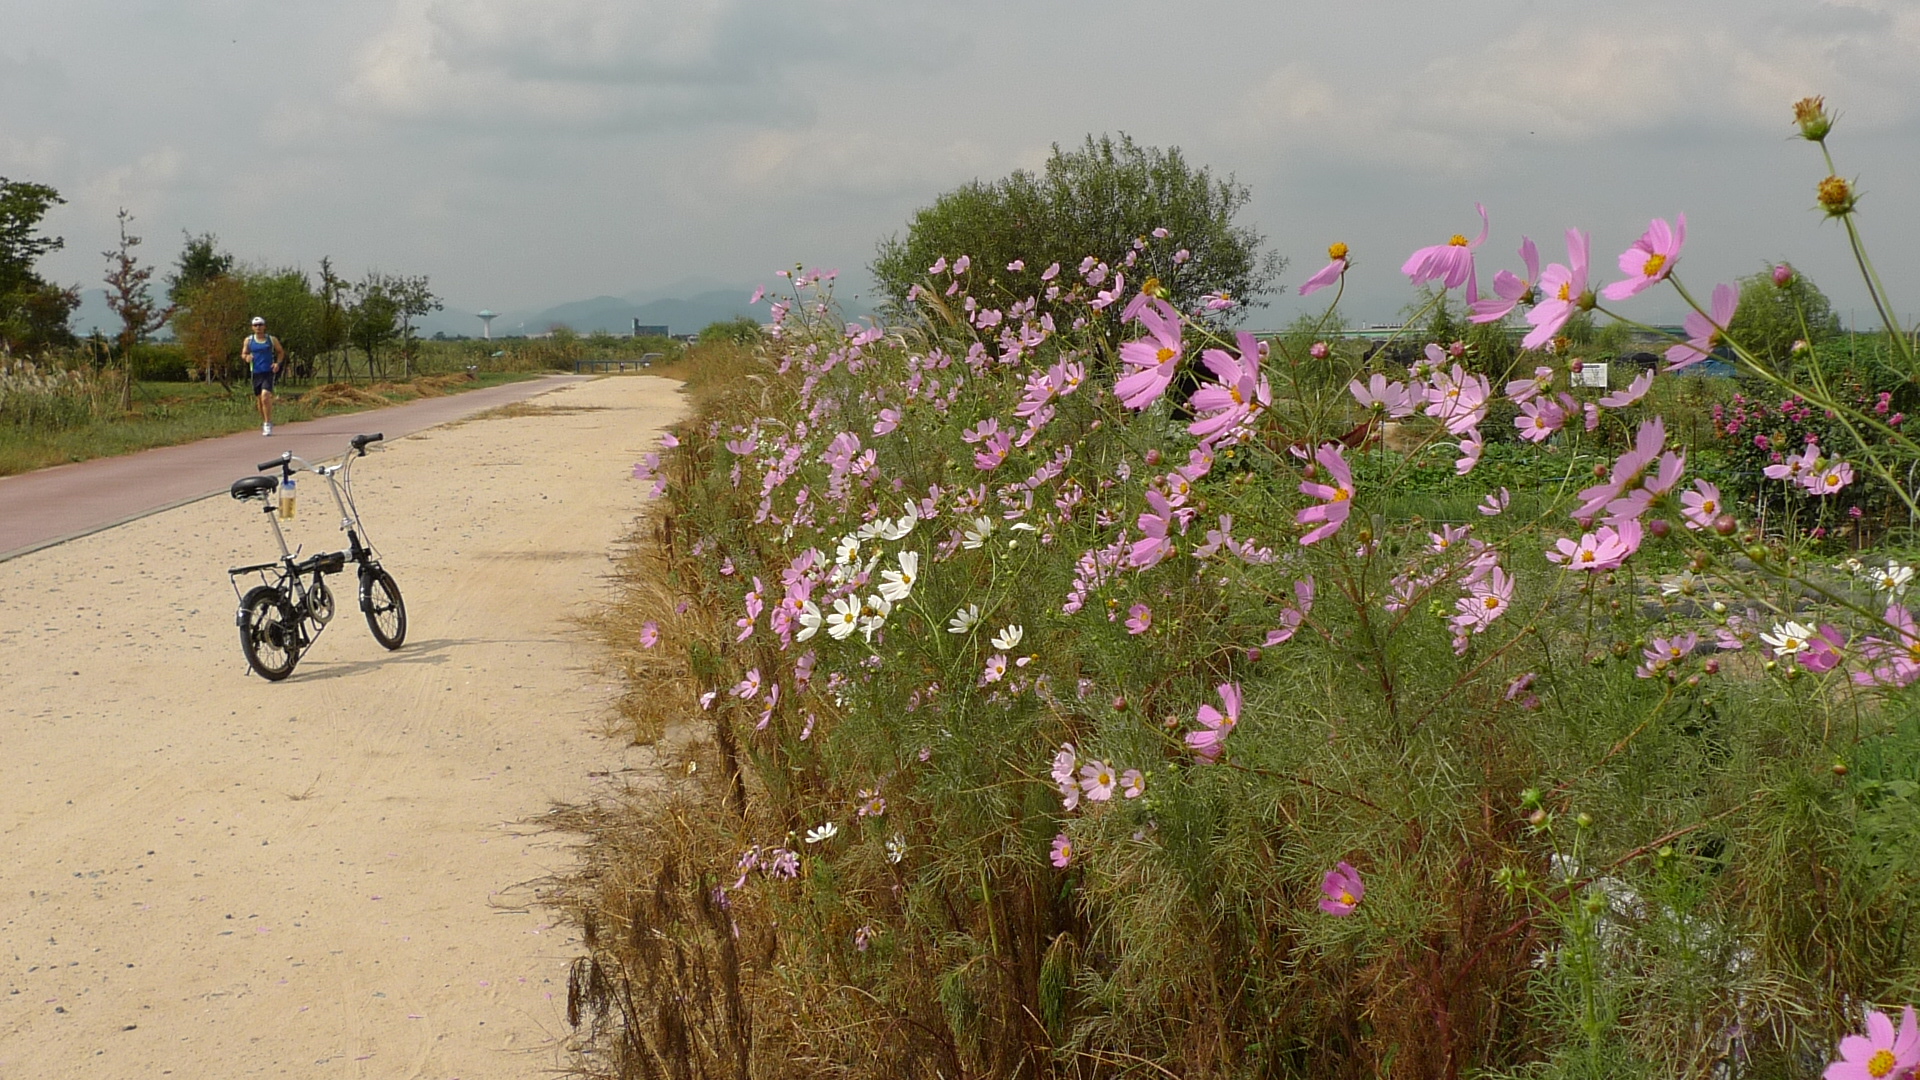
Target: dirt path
{"x": 203, "y": 874}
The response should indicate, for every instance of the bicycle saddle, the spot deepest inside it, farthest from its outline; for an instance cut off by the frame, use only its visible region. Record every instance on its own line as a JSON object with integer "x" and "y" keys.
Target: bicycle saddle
{"x": 253, "y": 487}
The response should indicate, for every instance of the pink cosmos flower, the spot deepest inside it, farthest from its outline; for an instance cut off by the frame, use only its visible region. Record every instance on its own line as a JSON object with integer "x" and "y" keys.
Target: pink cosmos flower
{"x": 1509, "y": 290}
{"x": 1332, "y": 513}
{"x": 1133, "y": 783}
{"x": 1062, "y": 851}
{"x": 1539, "y": 419}
{"x": 1450, "y": 263}
{"x": 1153, "y": 358}
{"x": 1139, "y": 619}
{"x": 1825, "y": 649}
{"x": 1634, "y": 391}
{"x": 1292, "y": 617}
{"x": 1458, "y": 400}
{"x": 1382, "y": 397}
{"x": 748, "y": 686}
{"x": 1488, "y": 600}
{"x": 1662, "y": 653}
{"x": 1097, "y": 781}
{"x": 1650, "y": 259}
{"x": 1704, "y": 332}
{"x": 1496, "y": 504}
{"x": 1330, "y": 273}
{"x": 1216, "y": 725}
{"x": 1561, "y": 290}
{"x": 1795, "y": 467}
{"x": 1699, "y": 507}
{"x": 1051, "y": 272}
{"x": 1156, "y": 523}
{"x": 1064, "y": 764}
{"x": 1902, "y": 656}
{"x": 1470, "y": 449}
{"x": 1522, "y": 391}
{"x": 1828, "y": 478}
{"x": 649, "y": 634}
{"x": 1344, "y": 890}
{"x": 1605, "y": 549}
{"x": 1241, "y": 394}
{"x": 1882, "y": 1053}
{"x": 1627, "y": 469}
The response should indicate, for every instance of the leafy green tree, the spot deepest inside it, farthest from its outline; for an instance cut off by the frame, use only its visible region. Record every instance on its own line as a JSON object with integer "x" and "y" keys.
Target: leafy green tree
{"x": 33, "y": 311}
{"x": 294, "y": 312}
{"x": 373, "y": 316}
{"x": 210, "y": 319}
{"x": 739, "y": 331}
{"x": 200, "y": 261}
{"x": 412, "y": 298}
{"x": 1097, "y": 200}
{"x": 1771, "y": 317}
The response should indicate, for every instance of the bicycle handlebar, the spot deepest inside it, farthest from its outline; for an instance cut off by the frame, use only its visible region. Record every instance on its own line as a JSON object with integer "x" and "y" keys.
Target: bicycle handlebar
{"x": 274, "y": 464}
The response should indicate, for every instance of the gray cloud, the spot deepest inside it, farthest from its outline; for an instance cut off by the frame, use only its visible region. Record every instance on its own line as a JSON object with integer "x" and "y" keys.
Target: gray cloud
{"x": 523, "y": 152}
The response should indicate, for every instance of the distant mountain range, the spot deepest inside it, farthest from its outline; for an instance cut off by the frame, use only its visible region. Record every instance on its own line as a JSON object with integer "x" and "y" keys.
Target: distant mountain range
{"x": 684, "y": 307}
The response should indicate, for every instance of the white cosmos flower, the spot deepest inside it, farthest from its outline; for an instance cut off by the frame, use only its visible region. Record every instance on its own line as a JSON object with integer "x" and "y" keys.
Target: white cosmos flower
{"x": 898, "y": 528}
{"x": 810, "y": 620}
{"x": 1893, "y": 579}
{"x": 896, "y": 584}
{"x": 876, "y": 611}
{"x": 823, "y": 833}
{"x": 964, "y": 619}
{"x": 1685, "y": 583}
{"x": 975, "y": 534}
{"x": 847, "y": 550}
{"x": 844, "y": 618}
{"x": 896, "y": 849}
{"x": 871, "y": 530}
{"x": 1009, "y": 639}
{"x": 1788, "y": 638}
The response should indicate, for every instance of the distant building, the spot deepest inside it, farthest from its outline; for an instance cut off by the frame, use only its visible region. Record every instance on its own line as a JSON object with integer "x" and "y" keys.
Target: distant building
{"x": 641, "y": 329}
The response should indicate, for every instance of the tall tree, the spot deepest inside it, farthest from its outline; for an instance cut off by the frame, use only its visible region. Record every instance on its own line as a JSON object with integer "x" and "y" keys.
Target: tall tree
{"x": 33, "y": 311}
{"x": 372, "y": 316}
{"x": 209, "y": 323}
{"x": 130, "y": 295}
{"x": 333, "y": 312}
{"x": 201, "y": 260}
{"x": 412, "y": 299}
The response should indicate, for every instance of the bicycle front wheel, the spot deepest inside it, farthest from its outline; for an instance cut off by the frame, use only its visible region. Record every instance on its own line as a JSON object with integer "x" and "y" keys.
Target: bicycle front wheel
{"x": 269, "y": 633}
{"x": 386, "y": 612}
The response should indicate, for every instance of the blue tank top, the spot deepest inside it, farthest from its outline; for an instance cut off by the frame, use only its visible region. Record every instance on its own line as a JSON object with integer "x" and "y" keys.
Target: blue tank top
{"x": 262, "y": 353}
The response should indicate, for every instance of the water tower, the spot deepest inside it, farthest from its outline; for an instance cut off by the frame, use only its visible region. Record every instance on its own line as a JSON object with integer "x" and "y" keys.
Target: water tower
{"x": 486, "y": 323}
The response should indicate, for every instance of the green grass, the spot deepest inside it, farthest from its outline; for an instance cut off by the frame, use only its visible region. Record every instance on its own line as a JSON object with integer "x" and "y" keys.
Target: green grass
{"x": 170, "y": 413}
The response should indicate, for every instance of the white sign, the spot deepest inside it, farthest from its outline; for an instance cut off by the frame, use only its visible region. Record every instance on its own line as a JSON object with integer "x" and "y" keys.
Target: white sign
{"x": 1591, "y": 373}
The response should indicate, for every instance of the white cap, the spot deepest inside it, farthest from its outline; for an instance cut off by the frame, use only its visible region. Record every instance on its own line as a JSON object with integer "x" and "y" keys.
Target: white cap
{"x": 258, "y": 321}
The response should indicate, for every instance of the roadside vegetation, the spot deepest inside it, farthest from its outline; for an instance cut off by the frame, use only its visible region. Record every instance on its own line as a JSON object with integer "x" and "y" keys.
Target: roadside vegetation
{"x": 1214, "y": 707}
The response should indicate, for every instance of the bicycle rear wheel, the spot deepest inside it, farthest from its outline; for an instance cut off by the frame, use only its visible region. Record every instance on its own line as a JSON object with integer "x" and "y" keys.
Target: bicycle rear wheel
{"x": 386, "y": 612}
{"x": 269, "y": 633}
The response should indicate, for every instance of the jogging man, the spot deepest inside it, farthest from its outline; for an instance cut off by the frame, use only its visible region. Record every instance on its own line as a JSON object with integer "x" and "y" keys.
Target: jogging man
{"x": 264, "y": 354}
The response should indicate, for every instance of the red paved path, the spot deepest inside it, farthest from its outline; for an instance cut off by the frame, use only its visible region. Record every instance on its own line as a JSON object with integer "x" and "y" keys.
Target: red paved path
{"x": 43, "y": 508}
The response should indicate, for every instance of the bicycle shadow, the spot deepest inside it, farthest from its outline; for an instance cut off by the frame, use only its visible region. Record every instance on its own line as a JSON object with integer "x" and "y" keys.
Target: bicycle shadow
{"x": 432, "y": 652}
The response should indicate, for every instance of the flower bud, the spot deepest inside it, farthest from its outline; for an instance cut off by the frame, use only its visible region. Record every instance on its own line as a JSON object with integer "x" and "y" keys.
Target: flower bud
{"x": 1585, "y": 820}
{"x": 1599, "y": 472}
{"x": 1839, "y": 768}
{"x": 1783, "y": 275}
{"x": 1253, "y": 654}
{"x": 1530, "y": 798}
{"x": 1725, "y": 525}
{"x": 1577, "y": 366}
{"x": 1811, "y": 114}
{"x": 1836, "y": 197}
{"x": 1594, "y": 903}
{"x": 1119, "y": 703}
{"x": 1319, "y": 350}
{"x": 1153, "y": 457}
{"x": 1660, "y": 527}
{"x": 1712, "y": 666}
{"x": 1537, "y": 818}
{"x": 1757, "y": 552}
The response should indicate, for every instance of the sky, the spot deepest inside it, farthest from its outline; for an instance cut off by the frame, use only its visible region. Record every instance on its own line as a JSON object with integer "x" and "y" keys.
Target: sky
{"x": 528, "y": 152}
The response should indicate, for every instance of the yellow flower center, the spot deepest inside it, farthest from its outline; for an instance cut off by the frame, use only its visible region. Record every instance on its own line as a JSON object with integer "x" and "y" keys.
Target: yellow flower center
{"x": 1586, "y": 556}
{"x": 1833, "y": 478}
{"x": 1336, "y": 252}
{"x": 1151, "y": 287}
{"x": 1342, "y": 495}
{"x": 1708, "y": 506}
{"x": 1347, "y": 899}
{"x": 1164, "y": 355}
{"x": 1492, "y": 602}
{"x": 1566, "y": 291}
{"x": 1234, "y": 392}
{"x": 1881, "y": 1063}
{"x": 1654, "y": 262}
{"x": 1457, "y": 241}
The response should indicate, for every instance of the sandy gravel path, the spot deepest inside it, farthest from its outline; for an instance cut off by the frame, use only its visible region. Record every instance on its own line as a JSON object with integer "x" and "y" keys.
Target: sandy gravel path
{"x": 206, "y": 875}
